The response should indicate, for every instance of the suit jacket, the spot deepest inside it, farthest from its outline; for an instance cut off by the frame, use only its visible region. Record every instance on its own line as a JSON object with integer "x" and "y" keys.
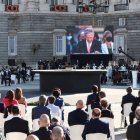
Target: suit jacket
{"x": 135, "y": 104}
{"x": 65, "y": 129}
{"x": 133, "y": 131}
{"x": 129, "y": 98}
{"x": 96, "y": 126}
{"x": 93, "y": 100}
{"x": 43, "y": 133}
{"x": 39, "y": 110}
{"x": 16, "y": 124}
{"x": 7, "y": 74}
{"x": 77, "y": 116}
{"x": 96, "y": 46}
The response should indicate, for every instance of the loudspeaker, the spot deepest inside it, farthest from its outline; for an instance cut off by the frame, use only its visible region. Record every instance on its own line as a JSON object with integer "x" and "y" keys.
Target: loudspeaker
{"x": 11, "y": 62}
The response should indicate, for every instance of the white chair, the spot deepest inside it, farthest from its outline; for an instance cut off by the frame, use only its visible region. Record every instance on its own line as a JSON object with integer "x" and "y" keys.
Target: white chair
{"x": 89, "y": 111}
{"x": 35, "y": 124}
{"x": 96, "y": 136}
{"x": 126, "y": 111}
{"x": 22, "y": 109}
{"x": 1, "y": 120}
{"x": 76, "y": 132}
{"x": 13, "y": 78}
{"x": 111, "y": 126}
{"x": 16, "y": 136}
{"x": 2, "y": 125}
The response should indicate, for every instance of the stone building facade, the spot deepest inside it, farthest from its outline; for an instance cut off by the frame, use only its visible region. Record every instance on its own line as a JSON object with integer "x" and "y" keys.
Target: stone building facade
{"x": 33, "y": 29}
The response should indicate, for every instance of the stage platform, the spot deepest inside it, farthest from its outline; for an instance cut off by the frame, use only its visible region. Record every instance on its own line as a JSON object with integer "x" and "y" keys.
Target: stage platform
{"x": 69, "y": 81}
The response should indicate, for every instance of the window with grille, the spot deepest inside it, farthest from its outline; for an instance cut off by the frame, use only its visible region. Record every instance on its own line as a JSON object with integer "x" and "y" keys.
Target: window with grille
{"x": 12, "y": 45}
{"x": 122, "y": 21}
{"x": 59, "y": 45}
{"x": 100, "y": 22}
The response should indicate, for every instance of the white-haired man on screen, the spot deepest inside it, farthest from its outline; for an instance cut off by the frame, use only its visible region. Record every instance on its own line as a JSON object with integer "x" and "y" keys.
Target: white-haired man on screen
{"x": 89, "y": 45}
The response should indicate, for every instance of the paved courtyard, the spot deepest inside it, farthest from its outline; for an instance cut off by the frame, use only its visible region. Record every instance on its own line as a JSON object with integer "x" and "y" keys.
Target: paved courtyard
{"x": 114, "y": 95}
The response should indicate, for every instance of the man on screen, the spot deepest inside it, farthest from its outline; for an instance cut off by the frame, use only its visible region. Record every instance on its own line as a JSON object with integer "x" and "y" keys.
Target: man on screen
{"x": 89, "y": 45}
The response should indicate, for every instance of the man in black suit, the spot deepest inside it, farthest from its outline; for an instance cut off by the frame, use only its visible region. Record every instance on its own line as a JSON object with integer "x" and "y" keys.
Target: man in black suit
{"x": 133, "y": 131}
{"x": 89, "y": 45}
{"x": 7, "y": 76}
{"x": 43, "y": 133}
{"x": 93, "y": 99}
{"x": 95, "y": 125}
{"x": 57, "y": 133}
{"x": 129, "y": 98}
{"x": 41, "y": 108}
{"x": 133, "y": 108}
{"x": 16, "y": 124}
{"x": 56, "y": 122}
{"x": 78, "y": 116}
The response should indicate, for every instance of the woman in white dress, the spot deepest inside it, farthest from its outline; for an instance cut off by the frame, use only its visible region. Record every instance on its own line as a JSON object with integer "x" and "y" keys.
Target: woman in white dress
{"x": 107, "y": 44}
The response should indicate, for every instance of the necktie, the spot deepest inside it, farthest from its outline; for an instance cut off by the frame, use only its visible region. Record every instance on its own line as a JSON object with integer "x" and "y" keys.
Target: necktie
{"x": 89, "y": 47}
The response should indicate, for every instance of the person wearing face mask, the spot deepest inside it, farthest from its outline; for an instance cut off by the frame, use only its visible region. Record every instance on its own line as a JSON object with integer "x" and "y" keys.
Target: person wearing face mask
{"x": 107, "y": 44}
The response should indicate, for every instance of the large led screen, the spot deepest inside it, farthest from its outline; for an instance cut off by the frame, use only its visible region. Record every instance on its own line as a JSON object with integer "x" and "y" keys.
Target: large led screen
{"x": 89, "y": 40}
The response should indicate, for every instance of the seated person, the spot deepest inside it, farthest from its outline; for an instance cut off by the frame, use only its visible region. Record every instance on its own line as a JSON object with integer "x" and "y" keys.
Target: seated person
{"x": 41, "y": 108}
{"x": 43, "y": 133}
{"x": 135, "y": 104}
{"x": 102, "y": 94}
{"x": 105, "y": 112}
{"x": 55, "y": 111}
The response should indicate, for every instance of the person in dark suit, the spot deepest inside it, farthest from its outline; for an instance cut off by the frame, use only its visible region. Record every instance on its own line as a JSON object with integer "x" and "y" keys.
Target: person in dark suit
{"x": 93, "y": 99}
{"x": 105, "y": 112}
{"x": 57, "y": 133}
{"x": 89, "y": 45}
{"x": 95, "y": 125}
{"x": 129, "y": 98}
{"x": 133, "y": 108}
{"x": 78, "y": 116}
{"x": 43, "y": 133}
{"x": 41, "y": 108}
{"x": 56, "y": 122}
{"x": 7, "y": 76}
{"x": 16, "y": 124}
{"x": 133, "y": 131}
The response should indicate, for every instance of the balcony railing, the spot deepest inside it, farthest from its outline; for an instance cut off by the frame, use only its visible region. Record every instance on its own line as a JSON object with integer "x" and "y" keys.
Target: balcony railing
{"x": 59, "y": 8}
{"x": 102, "y": 9}
{"x": 119, "y": 7}
{"x": 12, "y": 8}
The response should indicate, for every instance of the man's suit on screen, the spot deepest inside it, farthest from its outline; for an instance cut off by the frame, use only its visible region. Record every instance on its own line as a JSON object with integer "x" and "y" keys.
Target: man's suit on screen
{"x": 16, "y": 124}
{"x": 133, "y": 131}
{"x": 82, "y": 47}
{"x": 77, "y": 117}
{"x": 39, "y": 110}
{"x": 96, "y": 126}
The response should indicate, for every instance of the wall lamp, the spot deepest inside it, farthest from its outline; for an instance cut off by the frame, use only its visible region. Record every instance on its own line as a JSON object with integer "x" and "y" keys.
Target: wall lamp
{"x": 91, "y": 7}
